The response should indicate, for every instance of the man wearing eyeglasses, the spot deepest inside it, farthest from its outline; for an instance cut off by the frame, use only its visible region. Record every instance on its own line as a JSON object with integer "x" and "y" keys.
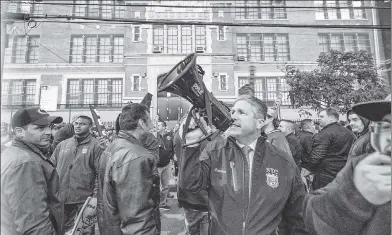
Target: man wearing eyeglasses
{"x": 358, "y": 201}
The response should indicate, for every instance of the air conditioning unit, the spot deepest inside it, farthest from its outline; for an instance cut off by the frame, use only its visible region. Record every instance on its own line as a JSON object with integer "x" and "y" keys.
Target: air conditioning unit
{"x": 241, "y": 58}
{"x": 157, "y": 49}
{"x": 200, "y": 49}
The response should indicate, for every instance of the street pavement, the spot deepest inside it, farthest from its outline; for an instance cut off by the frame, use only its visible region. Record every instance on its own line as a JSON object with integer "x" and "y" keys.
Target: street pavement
{"x": 172, "y": 221}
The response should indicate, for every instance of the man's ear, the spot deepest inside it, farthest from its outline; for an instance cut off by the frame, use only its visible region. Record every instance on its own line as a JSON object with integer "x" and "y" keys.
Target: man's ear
{"x": 141, "y": 123}
{"x": 19, "y": 132}
{"x": 261, "y": 123}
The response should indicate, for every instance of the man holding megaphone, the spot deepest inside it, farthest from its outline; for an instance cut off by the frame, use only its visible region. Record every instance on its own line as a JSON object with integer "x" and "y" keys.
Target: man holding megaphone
{"x": 252, "y": 186}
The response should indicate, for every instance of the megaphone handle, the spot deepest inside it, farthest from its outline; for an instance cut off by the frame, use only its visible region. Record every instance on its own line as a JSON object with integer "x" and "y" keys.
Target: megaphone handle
{"x": 198, "y": 122}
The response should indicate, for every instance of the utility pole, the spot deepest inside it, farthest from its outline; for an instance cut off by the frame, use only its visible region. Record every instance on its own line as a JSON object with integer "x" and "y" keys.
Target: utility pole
{"x": 252, "y": 70}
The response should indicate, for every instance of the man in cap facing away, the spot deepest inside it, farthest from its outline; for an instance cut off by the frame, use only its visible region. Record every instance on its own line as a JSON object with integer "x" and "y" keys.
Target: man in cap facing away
{"x": 30, "y": 201}
{"x": 358, "y": 201}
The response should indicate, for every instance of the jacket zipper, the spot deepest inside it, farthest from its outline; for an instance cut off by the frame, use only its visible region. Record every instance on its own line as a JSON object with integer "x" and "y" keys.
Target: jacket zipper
{"x": 245, "y": 212}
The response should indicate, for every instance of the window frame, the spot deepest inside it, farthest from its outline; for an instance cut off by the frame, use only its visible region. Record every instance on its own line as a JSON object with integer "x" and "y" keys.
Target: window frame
{"x": 134, "y": 27}
{"x": 117, "y": 10}
{"x": 339, "y": 12}
{"x": 261, "y": 88}
{"x": 357, "y": 45}
{"x": 81, "y": 93}
{"x": 219, "y": 29}
{"x": 264, "y": 46}
{"x": 24, "y": 89}
{"x": 250, "y": 13}
{"x": 133, "y": 79}
{"x": 11, "y": 49}
{"x": 83, "y": 46}
{"x": 226, "y": 77}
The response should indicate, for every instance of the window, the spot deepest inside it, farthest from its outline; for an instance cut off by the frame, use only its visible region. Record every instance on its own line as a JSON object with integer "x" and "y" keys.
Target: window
{"x": 344, "y": 42}
{"x": 95, "y": 91}
{"x": 221, "y": 33}
{"x": 223, "y": 82}
{"x": 269, "y": 89}
{"x": 186, "y": 39}
{"x": 253, "y": 9}
{"x": 22, "y": 49}
{"x": 18, "y": 92}
{"x": 179, "y": 39}
{"x": 136, "y": 34}
{"x": 25, "y": 7}
{"x": 97, "y": 49}
{"x": 172, "y": 39}
{"x": 340, "y": 9}
{"x": 200, "y": 36}
{"x": 263, "y": 47}
{"x": 106, "y": 9}
{"x": 158, "y": 37}
{"x": 135, "y": 82}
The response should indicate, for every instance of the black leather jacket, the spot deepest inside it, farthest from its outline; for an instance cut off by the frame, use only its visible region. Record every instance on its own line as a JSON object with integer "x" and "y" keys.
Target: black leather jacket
{"x": 276, "y": 191}
{"x": 130, "y": 189}
{"x": 330, "y": 150}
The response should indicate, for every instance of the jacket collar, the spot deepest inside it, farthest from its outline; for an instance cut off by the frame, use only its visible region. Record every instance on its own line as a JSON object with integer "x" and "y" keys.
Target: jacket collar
{"x": 125, "y": 135}
{"x": 86, "y": 140}
{"x": 332, "y": 123}
{"x": 20, "y": 143}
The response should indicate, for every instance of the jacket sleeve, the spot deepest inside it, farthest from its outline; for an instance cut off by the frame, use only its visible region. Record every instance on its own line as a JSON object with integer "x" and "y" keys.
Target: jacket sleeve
{"x": 95, "y": 161}
{"x": 319, "y": 151}
{"x": 55, "y": 155}
{"x": 27, "y": 189}
{"x": 292, "y": 215}
{"x": 134, "y": 208}
{"x": 198, "y": 175}
{"x": 152, "y": 145}
{"x": 338, "y": 208}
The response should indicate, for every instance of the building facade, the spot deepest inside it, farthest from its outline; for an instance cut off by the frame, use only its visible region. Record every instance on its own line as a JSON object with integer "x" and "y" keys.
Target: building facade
{"x": 76, "y": 62}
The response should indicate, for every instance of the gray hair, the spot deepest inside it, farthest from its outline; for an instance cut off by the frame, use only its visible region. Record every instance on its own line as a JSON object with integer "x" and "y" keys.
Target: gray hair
{"x": 258, "y": 106}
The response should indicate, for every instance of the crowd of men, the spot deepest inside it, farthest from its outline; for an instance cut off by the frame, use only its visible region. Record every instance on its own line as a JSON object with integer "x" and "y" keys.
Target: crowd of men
{"x": 260, "y": 176}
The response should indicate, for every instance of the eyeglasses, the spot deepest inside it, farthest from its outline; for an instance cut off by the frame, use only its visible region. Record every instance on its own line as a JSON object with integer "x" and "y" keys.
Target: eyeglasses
{"x": 380, "y": 127}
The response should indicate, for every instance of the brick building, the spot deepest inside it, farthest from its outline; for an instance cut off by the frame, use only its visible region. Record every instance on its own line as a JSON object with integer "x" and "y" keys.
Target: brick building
{"x": 110, "y": 63}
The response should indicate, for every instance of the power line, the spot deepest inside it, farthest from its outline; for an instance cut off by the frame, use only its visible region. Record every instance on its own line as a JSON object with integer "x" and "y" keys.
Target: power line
{"x": 54, "y": 53}
{"x": 177, "y": 22}
{"x": 210, "y": 6}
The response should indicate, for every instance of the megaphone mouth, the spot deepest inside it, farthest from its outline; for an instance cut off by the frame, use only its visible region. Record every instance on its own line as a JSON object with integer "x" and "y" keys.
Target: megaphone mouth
{"x": 177, "y": 72}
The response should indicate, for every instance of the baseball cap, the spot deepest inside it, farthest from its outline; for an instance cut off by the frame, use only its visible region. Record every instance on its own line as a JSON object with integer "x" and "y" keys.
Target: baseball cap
{"x": 33, "y": 115}
{"x": 373, "y": 110}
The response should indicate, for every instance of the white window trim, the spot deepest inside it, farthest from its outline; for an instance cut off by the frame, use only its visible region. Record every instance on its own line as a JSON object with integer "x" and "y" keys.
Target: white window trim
{"x": 224, "y": 33}
{"x": 66, "y": 77}
{"x": 133, "y": 33}
{"x": 133, "y": 79}
{"x": 179, "y": 36}
{"x": 220, "y": 14}
{"x": 219, "y": 81}
{"x": 35, "y": 77}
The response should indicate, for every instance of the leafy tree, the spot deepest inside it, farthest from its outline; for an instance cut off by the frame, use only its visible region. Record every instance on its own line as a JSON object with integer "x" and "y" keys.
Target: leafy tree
{"x": 341, "y": 80}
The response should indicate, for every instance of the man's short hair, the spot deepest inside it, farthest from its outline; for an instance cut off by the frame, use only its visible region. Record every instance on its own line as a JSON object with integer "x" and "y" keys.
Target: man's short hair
{"x": 290, "y": 124}
{"x": 163, "y": 123}
{"x": 331, "y": 112}
{"x": 86, "y": 118}
{"x": 131, "y": 114}
{"x": 258, "y": 106}
{"x": 306, "y": 124}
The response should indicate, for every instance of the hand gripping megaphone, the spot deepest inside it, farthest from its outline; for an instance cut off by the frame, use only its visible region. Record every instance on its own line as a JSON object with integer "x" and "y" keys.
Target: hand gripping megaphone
{"x": 185, "y": 80}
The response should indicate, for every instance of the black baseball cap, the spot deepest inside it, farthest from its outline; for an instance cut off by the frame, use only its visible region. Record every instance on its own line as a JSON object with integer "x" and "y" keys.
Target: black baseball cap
{"x": 33, "y": 115}
{"x": 373, "y": 110}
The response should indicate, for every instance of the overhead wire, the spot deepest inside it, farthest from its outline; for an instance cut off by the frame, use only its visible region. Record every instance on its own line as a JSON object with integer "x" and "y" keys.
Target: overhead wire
{"x": 207, "y": 7}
